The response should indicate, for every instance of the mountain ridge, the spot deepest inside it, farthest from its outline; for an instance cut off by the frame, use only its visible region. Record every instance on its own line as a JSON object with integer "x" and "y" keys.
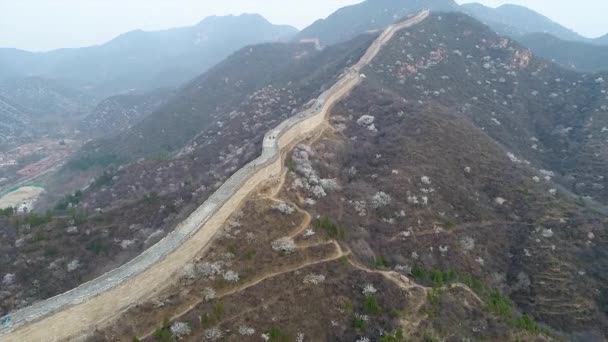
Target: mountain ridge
{"x": 44, "y": 97}
{"x": 508, "y": 19}
{"x": 577, "y": 55}
{"x": 131, "y": 60}
{"x": 345, "y": 23}
{"x": 14, "y": 122}
{"x": 518, "y": 20}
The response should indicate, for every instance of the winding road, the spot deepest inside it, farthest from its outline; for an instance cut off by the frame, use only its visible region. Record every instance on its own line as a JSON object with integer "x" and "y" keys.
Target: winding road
{"x": 71, "y": 315}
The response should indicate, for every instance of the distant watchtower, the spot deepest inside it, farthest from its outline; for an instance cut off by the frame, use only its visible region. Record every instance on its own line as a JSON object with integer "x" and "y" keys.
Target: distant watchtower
{"x": 270, "y": 140}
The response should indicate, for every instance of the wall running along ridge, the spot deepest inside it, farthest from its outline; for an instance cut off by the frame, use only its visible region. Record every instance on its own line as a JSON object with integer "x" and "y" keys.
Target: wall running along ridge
{"x": 93, "y": 304}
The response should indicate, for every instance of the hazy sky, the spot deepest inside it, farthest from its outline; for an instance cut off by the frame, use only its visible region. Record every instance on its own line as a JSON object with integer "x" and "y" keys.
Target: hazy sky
{"x": 47, "y": 24}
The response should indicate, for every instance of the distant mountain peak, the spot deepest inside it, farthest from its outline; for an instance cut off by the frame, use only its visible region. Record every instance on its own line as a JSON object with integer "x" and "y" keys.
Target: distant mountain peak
{"x": 146, "y": 59}
{"x": 214, "y": 18}
{"x": 602, "y": 40}
{"x": 516, "y": 20}
{"x": 250, "y": 18}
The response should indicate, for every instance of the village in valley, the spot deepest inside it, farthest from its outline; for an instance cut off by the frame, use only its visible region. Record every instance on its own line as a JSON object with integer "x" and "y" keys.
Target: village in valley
{"x": 21, "y": 166}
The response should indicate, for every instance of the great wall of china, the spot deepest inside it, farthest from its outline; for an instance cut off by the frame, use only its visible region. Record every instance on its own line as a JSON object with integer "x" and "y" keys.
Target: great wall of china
{"x": 95, "y": 303}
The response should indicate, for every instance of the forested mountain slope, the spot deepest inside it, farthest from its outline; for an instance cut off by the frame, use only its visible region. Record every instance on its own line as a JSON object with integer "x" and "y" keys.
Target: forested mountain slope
{"x": 121, "y": 112}
{"x": 450, "y": 199}
{"x": 13, "y": 121}
{"x": 463, "y": 151}
{"x": 129, "y": 208}
{"x": 579, "y": 56}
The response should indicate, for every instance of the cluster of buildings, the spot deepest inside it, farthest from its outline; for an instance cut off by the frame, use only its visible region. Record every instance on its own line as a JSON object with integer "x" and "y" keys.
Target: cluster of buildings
{"x": 52, "y": 152}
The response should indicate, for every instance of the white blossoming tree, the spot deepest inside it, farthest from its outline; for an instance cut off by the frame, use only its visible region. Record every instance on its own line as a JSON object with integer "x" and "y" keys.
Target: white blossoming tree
{"x": 284, "y": 245}
{"x": 369, "y": 289}
{"x": 180, "y": 330}
{"x": 380, "y": 199}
